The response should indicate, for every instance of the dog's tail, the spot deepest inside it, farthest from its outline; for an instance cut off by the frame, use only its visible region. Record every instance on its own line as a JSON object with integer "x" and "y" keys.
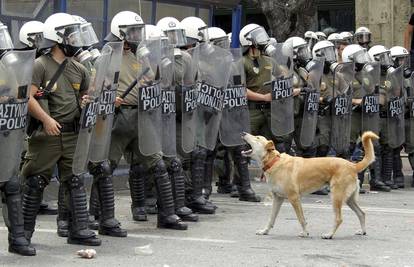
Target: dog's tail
{"x": 369, "y": 156}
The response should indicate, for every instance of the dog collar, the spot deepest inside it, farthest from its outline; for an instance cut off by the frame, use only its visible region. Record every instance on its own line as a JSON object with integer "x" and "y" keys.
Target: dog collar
{"x": 271, "y": 163}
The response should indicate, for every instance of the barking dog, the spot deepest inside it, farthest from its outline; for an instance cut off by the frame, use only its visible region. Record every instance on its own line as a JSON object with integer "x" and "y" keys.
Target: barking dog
{"x": 291, "y": 177}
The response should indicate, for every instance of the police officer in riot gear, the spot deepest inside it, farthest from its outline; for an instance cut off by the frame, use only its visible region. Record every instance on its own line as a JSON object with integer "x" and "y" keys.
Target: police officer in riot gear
{"x": 391, "y": 111}
{"x": 362, "y": 36}
{"x": 401, "y": 57}
{"x": 9, "y": 182}
{"x": 59, "y": 117}
{"x": 129, "y": 27}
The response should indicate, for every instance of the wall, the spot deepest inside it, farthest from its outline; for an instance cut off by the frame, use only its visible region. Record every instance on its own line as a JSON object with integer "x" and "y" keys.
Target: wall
{"x": 386, "y": 19}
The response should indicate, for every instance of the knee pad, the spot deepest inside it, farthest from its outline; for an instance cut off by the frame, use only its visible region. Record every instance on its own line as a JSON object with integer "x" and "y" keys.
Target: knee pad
{"x": 76, "y": 182}
{"x": 175, "y": 165}
{"x": 101, "y": 169}
{"x": 199, "y": 153}
{"x": 159, "y": 168}
{"x": 37, "y": 182}
{"x": 12, "y": 187}
{"x": 136, "y": 170}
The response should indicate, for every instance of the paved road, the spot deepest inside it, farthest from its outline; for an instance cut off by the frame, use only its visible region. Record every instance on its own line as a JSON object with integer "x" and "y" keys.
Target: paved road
{"x": 228, "y": 238}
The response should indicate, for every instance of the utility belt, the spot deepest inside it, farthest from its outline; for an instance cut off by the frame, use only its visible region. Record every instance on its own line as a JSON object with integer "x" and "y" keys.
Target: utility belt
{"x": 383, "y": 114}
{"x": 69, "y": 127}
{"x": 122, "y": 107}
{"x": 259, "y": 105}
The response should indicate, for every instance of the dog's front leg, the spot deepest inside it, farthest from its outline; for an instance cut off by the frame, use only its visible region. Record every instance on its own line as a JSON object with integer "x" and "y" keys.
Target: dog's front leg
{"x": 277, "y": 203}
{"x": 295, "y": 201}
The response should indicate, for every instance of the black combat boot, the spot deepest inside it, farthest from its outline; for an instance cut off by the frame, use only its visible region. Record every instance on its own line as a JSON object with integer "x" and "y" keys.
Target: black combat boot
{"x": 197, "y": 201}
{"x": 224, "y": 181}
{"x": 102, "y": 184}
{"x": 241, "y": 164}
{"x": 32, "y": 197}
{"x": 361, "y": 181}
{"x": 94, "y": 206}
{"x": 386, "y": 170}
{"x": 397, "y": 173}
{"x": 17, "y": 241}
{"x": 208, "y": 174}
{"x": 62, "y": 219}
{"x": 79, "y": 233}
{"x": 411, "y": 160}
{"x": 178, "y": 184}
{"x": 375, "y": 182}
{"x": 138, "y": 175}
{"x": 166, "y": 210}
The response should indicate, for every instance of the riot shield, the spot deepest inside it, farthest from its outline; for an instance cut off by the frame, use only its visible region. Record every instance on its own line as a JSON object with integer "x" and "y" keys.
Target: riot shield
{"x": 149, "y": 97}
{"x": 395, "y": 107}
{"x": 89, "y": 113}
{"x": 213, "y": 73}
{"x": 187, "y": 66}
{"x": 16, "y": 68}
{"x": 101, "y": 138}
{"x": 409, "y": 90}
{"x": 282, "y": 107}
{"x": 235, "y": 115}
{"x": 169, "y": 140}
{"x": 341, "y": 107}
{"x": 311, "y": 102}
{"x": 370, "y": 80}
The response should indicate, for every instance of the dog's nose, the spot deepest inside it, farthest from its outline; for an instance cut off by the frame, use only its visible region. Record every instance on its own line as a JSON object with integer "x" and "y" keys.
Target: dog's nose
{"x": 243, "y": 134}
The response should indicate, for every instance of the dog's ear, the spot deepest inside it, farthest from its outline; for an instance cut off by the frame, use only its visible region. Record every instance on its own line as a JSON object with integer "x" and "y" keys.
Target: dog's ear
{"x": 270, "y": 146}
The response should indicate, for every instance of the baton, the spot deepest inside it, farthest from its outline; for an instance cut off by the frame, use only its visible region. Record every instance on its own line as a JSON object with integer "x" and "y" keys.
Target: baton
{"x": 132, "y": 85}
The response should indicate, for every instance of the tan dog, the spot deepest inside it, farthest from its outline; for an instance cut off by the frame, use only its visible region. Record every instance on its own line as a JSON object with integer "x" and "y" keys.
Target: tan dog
{"x": 291, "y": 177}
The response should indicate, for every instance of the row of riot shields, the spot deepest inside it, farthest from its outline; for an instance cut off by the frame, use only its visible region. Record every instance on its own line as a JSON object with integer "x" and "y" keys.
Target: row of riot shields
{"x": 16, "y": 68}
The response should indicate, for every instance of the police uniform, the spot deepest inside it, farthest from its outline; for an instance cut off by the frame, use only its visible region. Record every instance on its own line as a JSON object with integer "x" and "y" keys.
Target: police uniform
{"x": 324, "y": 116}
{"x": 125, "y": 134}
{"x": 259, "y": 71}
{"x": 45, "y": 151}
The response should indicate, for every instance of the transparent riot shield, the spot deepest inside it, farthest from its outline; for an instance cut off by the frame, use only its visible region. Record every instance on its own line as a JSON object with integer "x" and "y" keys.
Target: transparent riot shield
{"x": 213, "y": 73}
{"x": 282, "y": 108}
{"x": 149, "y": 97}
{"x": 395, "y": 107}
{"x": 311, "y": 102}
{"x": 341, "y": 107}
{"x": 101, "y": 138}
{"x": 186, "y": 71}
{"x": 169, "y": 144}
{"x": 16, "y": 68}
{"x": 409, "y": 90}
{"x": 235, "y": 115}
{"x": 370, "y": 80}
{"x": 90, "y": 111}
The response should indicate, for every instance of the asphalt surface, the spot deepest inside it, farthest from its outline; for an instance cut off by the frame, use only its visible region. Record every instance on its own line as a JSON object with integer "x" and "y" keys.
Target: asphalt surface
{"x": 228, "y": 237}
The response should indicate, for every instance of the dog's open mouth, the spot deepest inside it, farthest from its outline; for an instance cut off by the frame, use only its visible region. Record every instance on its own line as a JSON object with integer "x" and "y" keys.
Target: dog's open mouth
{"x": 248, "y": 151}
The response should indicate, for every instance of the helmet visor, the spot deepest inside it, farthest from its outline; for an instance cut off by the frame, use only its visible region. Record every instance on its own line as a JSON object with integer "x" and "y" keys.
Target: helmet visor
{"x": 35, "y": 38}
{"x": 361, "y": 56}
{"x": 176, "y": 37}
{"x": 259, "y": 36}
{"x": 384, "y": 59}
{"x": 203, "y": 33}
{"x": 222, "y": 42}
{"x": 328, "y": 53}
{"x": 311, "y": 42}
{"x": 303, "y": 53}
{"x": 363, "y": 37}
{"x": 72, "y": 35}
{"x": 5, "y": 39}
{"x": 89, "y": 37}
{"x": 402, "y": 61}
{"x": 133, "y": 33}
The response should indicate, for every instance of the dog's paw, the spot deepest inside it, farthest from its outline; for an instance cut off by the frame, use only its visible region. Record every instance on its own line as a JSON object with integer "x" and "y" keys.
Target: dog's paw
{"x": 327, "y": 236}
{"x": 360, "y": 232}
{"x": 304, "y": 234}
{"x": 262, "y": 232}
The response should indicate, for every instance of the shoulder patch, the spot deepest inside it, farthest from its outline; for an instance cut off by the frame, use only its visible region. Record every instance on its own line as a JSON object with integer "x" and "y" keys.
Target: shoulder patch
{"x": 76, "y": 86}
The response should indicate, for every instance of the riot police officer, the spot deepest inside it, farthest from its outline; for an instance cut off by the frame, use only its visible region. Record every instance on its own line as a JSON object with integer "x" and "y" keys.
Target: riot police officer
{"x": 362, "y": 36}
{"x": 11, "y": 137}
{"x": 56, "y": 141}
{"x": 392, "y": 132}
{"x": 129, "y": 27}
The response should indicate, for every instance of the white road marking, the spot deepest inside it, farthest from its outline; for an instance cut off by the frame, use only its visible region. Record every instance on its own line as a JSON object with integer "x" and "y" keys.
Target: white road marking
{"x": 165, "y": 237}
